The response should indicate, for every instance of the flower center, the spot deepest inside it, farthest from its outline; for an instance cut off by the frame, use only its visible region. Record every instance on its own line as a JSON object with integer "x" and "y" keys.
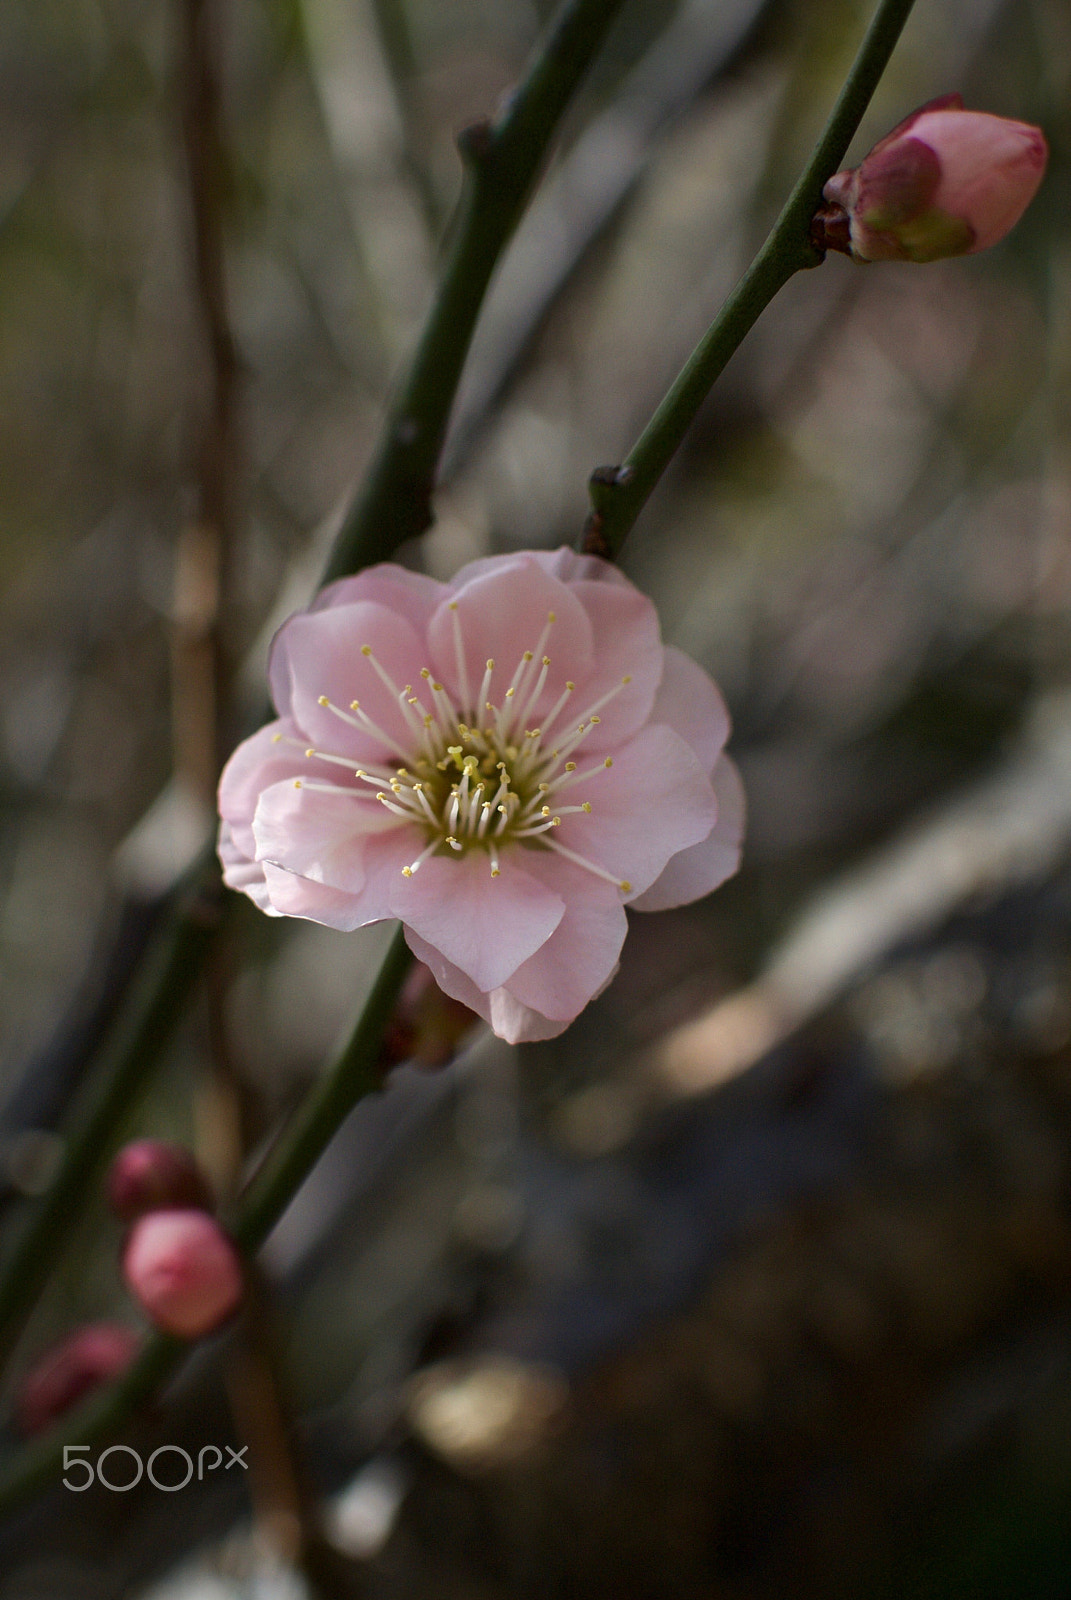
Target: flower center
{"x": 482, "y": 776}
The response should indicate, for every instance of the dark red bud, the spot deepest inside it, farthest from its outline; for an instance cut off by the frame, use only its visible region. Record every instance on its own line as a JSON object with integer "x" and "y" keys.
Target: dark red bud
{"x": 155, "y": 1175}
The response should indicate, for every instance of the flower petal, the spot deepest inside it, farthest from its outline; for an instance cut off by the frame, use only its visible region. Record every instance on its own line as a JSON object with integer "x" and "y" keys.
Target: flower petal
{"x": 320, "y": 653}
{"x": 486, "y": 926}
{"x": 323, "y": 836}
{"x": 563, "y": 563}
{"x": 501, "y": 614}
{"x": 267, "y": 758}
{"x": 508, "y": 1016}
{"x": 517, "y": 1023}
{"x": 694, "y": 872}
{"x": 624, "y": 626}
{"x": 294, "y": 896}
{"x": 581, "y": 955}
{"x": 690, "y": 703}
{"x": 241, "y": 872}
{"x": 653, "y": 801}
{"x": 411, "y": 595}
{"x": 451, "y": 979}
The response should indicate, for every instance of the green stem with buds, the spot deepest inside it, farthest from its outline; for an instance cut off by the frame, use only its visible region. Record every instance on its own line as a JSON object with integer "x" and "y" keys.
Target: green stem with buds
{"x": 619, "y": 494}
{"x": 354, "y": 1074}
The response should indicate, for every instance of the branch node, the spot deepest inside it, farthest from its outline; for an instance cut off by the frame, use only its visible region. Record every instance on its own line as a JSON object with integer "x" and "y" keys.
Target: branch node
{"x": 476, "y": 142}
{"x": 831, "y": 229}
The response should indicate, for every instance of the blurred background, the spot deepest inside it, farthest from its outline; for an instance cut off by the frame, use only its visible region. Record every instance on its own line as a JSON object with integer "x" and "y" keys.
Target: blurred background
{"x": 758, "y": 1282}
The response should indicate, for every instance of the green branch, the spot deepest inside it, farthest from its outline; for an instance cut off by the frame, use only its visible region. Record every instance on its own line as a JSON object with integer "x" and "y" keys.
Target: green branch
{"x": 502, "y": 161}
{"x": 354, "y": 1074}
{"x": 619, "y": 494}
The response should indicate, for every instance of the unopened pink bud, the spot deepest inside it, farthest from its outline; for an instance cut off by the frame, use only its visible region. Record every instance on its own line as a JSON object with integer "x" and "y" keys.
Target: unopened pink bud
{"x": 88, "y": 1357}
{"x": 155, "y": 1175}
{"x": 183, "y": 1271}
{"x": 946, "y": 182}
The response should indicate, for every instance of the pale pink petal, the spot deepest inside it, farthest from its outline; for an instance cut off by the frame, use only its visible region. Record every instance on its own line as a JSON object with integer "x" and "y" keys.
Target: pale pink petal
{"x": 627, "y": 642}
{"x": 654, "y": 801}
{"x": 690, "y": 703}
{"x": 240, "y": 872}
{"x": 991, "y": 168}
{"x": 563, "y": 563}
{"x": 501, "y": 614}
{"x": 294, "y": 896}
{"x": 323, "y": 836}
{"x": 581, "y": 954}
{"x": 412, "y": 595}
{"x": 510, "y": 1018}
{"x": 268, "y": 757}
{"x": 320, "y": 653}
{"x": 486, "y": 926}
{"x": 451, "y": 979}
{"x": 517, "y": 1023}
{"x": 694, "y": 872}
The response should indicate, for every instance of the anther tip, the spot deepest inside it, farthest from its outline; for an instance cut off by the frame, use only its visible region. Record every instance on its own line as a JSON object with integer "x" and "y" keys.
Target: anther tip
{"x": 309, "y": 754}
{"x": 322, "y": 700}
{"x": 366, "y": 649}
{"x": 626, "y": 886}
{"x": 275, "y": 738}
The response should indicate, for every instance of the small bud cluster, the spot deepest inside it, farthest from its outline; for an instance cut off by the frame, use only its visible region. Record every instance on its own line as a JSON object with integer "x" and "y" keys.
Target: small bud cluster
{"x": 178, "y": 1263}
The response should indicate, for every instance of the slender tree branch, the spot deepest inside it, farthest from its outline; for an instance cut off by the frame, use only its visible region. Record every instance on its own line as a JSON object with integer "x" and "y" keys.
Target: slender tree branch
{"x": 355, "y": 1073}
{"x": 502, "y": 161}
{"x": 618, "y": 494}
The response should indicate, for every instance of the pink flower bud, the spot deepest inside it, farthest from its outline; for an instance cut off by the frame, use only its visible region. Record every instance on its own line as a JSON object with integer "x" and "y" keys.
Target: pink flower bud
{"x": 88, "y": 1357}
{"x": 154, "y": 1175}
{"x": 183, "y": 1271}
{"x": 946, "y": 182}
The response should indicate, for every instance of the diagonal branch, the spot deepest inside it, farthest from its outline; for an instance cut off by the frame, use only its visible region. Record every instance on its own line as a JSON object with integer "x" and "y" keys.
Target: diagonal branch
{"x": 502, "y": 158}
{"x": 619, "y": 494}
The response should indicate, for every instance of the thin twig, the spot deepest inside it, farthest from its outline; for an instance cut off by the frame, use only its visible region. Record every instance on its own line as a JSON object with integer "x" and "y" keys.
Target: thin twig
{"x": 618, "y": 494}
{"x": 502, "y": 161}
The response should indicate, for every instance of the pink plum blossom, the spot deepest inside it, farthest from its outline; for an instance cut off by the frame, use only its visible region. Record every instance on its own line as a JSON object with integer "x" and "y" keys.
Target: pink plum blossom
{"x": 945, "y": 182}
{"x": 503, "y": 762}
{"x": 183, "y": 1271}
